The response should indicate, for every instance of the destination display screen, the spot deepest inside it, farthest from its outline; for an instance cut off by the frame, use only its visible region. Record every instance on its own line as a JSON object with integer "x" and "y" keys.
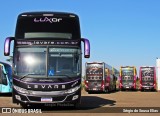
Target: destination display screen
{"x": 48, "y": 42}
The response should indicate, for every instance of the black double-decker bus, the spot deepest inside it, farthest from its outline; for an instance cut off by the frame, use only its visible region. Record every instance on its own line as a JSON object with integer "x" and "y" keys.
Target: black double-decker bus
{"x": 47, "y": 58}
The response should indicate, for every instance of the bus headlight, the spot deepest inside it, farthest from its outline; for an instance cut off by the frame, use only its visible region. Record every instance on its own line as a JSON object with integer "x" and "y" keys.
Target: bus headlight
{"x": 72, "y": 90}
{"x": 21, "y": 90}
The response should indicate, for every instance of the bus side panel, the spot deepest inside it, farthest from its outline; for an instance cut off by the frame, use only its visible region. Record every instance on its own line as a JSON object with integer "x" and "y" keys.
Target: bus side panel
{"x": 140, "y": 79}
{"x": 155, "y": 85}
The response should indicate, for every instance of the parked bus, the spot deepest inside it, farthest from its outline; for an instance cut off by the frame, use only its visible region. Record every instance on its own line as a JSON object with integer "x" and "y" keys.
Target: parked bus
{"x": 5, "y": 78}
{"x": 100, "y": 77}
{"x": 147, "y": 76}
{"x": 47, "y": 58}
{"x": 128, "y": 76}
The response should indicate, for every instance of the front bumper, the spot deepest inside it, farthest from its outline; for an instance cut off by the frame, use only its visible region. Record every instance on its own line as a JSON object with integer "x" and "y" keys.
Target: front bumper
{"x": 127, "y": 87}
{"x": 43, "y": 99}
{"x": 96, "y": 89}
{"x": 147, "y": 88}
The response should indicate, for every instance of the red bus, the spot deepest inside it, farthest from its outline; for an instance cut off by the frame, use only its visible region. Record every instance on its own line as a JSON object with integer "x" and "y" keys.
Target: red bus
{"x": 128, "y": 76}
{"x": 147, "y": 75}
{"x": 100, "y": 77}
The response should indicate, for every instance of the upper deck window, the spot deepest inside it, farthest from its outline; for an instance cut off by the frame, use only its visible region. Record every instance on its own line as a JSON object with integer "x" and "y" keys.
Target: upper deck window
{"x": 48, "y": 35}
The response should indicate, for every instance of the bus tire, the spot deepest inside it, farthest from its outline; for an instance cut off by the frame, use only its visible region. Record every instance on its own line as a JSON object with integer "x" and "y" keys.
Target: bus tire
{"x": 89, "y": 92}
{"x": 115, "y": 88}
{"x": 75, "y": 105}
{"x": 107, "y": 90}
{"x": 121, "y": 89}
{"x": 153, "y": 90}
{"x": 23, "y": 105}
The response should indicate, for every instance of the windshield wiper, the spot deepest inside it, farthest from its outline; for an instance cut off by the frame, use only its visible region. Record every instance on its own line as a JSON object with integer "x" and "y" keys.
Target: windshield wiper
{"x": 27, "y": 75}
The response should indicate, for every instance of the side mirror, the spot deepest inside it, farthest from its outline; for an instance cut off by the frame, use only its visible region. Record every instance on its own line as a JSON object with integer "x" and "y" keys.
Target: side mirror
{"x": 7, "y": 45}
{"x": 86, "y": 47}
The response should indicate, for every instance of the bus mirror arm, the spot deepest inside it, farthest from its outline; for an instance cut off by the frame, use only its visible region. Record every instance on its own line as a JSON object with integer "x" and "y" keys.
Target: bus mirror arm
{"x": 7, "y": 45}
{"x": 86, "y": 47}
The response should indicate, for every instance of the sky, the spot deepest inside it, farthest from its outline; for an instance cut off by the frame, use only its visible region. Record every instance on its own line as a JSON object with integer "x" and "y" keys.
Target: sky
{"x": 121, "y": 32}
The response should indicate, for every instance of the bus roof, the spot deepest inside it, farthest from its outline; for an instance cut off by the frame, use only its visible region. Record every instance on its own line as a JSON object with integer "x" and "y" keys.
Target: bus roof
{"x": 94, "y": 62}
{"x": 106, "y": 66}
{"x": 48, "y": 13}
{"x": 127, "y": 66}
{"x": 147, "y": 66}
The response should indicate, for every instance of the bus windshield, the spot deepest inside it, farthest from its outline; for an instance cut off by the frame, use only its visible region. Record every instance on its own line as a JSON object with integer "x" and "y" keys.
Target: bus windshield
{"x": 3, "y": 78}
{"x": 9, "y": 72}
{"x": 127, "y": 75}
{"x": 94, "y": 71}
{"x": 64, "y": 61}
{"x": 147, "y": 74}
{"x": 60, "y": 62}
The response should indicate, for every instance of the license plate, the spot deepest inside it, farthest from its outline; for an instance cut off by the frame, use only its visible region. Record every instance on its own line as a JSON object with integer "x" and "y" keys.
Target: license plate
{"x": 127, "y": 87}
{"x": 147, "y": 87}
{"x": 94, "y": 89}
{"x": 46, "y": 99}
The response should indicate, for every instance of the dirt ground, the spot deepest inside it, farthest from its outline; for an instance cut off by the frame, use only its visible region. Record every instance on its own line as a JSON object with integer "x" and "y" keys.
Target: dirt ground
{"x": 114, "y": 103}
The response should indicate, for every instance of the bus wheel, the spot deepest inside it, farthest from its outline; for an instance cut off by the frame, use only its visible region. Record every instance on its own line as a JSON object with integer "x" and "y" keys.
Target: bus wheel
{"x": 121, "y": 89}
{"x": 106, "y": 90}
{"x": 115, "y": 88}
{"x": 89, "y": 92}
{"x": 153, "y": 90}
{"x": 76, "y": 105}
{"x": 23, "y": 105}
